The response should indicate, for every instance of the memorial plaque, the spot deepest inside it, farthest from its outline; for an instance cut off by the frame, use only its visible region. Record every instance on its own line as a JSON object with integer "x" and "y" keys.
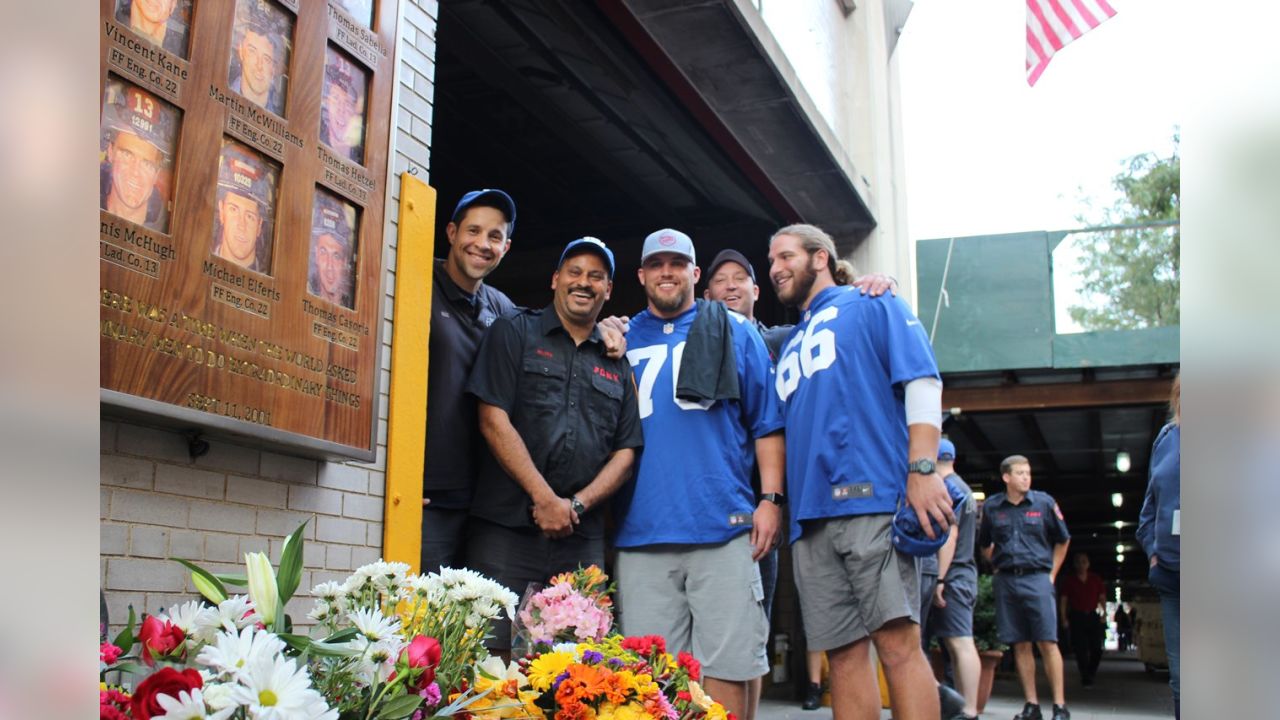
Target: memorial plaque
{"x": 243, "y": 164}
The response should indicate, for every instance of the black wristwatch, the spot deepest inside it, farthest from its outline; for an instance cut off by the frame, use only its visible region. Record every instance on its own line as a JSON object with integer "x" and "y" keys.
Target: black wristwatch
{"x": 577, "y": 505}
{"x": 923, "y": 466}
{"x": 776, "y": 498}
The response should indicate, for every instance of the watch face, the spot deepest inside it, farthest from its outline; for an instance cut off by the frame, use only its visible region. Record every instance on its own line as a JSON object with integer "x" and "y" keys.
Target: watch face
{"x": 924, "y": 466}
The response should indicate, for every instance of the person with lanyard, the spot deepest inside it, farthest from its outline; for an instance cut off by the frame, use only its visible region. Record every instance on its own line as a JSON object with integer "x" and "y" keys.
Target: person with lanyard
{"x": 1025, "y": 537}
{"x": 1160, "y": 533}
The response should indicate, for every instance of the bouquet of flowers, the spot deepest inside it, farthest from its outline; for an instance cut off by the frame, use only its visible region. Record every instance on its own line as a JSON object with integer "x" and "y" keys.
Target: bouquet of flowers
{"x": 618, "y": 678}
{"x": 388, "y": 642}
{"x": 576, "y": 606}
{"x": 421, "y": 633}
{"x": 217, "y": 661}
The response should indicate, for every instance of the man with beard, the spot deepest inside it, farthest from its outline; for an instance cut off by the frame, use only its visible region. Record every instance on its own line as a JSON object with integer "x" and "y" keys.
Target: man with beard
{"x": 691, "y": 529}
{"x": 733, "y": 282}
{"x": 257, "y": 58}
{"x": 561, "y": 421}
{"x": 135, "y": 155}
{"x": 862, "y": 396}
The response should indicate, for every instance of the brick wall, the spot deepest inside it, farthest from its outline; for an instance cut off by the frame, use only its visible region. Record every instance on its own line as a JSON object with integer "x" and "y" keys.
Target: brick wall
{"x": 158, "y": 503}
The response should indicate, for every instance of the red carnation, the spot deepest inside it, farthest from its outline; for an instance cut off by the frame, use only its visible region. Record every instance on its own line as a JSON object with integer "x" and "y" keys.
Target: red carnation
{"x": 108, "y": 653}
{"x": 645, "y": 644}
{"x": 423, "y": 652}
{"x": 160, "y": 637}
{"x": 165, "y": 681}
{"x": 690, "y": 664}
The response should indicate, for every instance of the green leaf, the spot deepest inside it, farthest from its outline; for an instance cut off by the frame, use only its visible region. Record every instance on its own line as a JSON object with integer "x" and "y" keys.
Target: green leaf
{"x": 400, "y": 707}
{"x": 290, "y": 572}
{"x": 237, "y": 580}
{"x": 205, "y": 582}
{"x": 124, "y": 640}
{"x": 343, "y": 635}
{"x": 298, "y": 642}
{"x": 130, "y": 667}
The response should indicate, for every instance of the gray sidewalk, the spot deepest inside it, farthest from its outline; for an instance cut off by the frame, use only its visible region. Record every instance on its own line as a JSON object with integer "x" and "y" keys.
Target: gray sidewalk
{"x": 1123, "y": 691}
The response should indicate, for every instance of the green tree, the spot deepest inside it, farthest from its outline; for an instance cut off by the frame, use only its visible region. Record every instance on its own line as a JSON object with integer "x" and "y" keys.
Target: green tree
{"x": 1134, "y": 271}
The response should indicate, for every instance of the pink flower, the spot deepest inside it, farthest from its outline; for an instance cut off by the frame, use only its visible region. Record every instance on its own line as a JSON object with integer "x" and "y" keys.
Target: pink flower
{"x": 108, "y": 653}
{"x": 423, "y": 652}
{"x": 160, "y": 637}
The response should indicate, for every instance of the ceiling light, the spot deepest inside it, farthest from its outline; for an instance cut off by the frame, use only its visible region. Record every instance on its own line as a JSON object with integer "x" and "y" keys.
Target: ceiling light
{"x": 1119, "y": 524}
{"x": 979, "y": 495}
{"x": 1119, "y": 557}
{"x": 1117, "y": 499}
{"x": 1123, "y": 462}
{"x": 1119, "y": 548}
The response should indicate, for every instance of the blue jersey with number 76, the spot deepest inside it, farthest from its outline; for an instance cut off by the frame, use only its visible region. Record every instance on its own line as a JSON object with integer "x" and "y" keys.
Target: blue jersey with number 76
{"x": 693, "y": 481}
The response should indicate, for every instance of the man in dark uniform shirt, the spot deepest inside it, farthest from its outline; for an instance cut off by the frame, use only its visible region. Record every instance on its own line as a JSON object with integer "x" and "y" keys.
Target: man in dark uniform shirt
{"x": 463, "y": 306}
{"x": 1025, "y": 537}
{"x": 563, "y": 427}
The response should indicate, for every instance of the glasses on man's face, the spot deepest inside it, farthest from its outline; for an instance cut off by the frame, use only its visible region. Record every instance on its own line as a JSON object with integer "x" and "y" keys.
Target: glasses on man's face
{"x": 125, "y": 156}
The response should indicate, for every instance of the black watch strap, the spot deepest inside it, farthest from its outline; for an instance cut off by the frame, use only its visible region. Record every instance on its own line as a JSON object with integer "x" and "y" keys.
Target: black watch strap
{"x": 776, "y": 498}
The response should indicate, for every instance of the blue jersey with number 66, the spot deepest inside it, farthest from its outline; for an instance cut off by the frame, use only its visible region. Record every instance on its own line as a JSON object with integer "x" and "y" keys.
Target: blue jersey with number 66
{"x": 693, "y": 482}
{"x": 841, "y": 374}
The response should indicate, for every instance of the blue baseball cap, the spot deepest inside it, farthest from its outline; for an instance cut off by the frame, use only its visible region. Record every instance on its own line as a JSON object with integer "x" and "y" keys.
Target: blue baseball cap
{"x": 490, "y": 197}
{"x": 588, "y": 244}
{"x": 946, "y": 450}
{"x": 909, "y": 537}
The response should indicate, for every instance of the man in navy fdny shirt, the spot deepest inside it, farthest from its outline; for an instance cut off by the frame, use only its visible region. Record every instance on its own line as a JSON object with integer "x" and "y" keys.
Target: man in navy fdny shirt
{"x": 863, "y": 419}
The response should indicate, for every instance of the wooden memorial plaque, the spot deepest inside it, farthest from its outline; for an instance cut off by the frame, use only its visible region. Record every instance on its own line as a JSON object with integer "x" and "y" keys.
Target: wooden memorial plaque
{"x": 243, "y": 170}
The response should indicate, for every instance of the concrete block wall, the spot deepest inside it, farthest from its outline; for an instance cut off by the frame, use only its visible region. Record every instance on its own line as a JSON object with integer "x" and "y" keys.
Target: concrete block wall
{"x": 156, "y": 502}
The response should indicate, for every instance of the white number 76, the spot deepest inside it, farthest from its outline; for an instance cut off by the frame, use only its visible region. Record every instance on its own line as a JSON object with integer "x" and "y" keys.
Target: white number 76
{"x": 654, "y": 357}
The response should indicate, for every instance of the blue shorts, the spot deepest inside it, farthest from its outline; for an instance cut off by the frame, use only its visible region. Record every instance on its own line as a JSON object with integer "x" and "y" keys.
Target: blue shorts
{"x": 956, "y": 619}
{"x": 1026, "y": 608}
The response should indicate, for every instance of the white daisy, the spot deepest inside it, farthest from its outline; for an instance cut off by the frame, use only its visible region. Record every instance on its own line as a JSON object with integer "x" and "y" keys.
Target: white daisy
{"x": 187, "y": 706}
{"x": 197, "y": 622}
{"x": 276, "y": 688}
{"x": 328, "y": 591}
{"x": 236, "y": 612}
{"x": 218, "y": 697}
{"x": 232, "y": 653}
{"x": 373, "y": 624}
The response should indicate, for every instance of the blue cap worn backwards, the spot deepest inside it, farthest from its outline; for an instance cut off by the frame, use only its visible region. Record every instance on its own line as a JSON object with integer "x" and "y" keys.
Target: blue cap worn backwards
{"x": 488, "y": 197}
{"x": 946, "y": 450}
{"x": 588, "y": 244}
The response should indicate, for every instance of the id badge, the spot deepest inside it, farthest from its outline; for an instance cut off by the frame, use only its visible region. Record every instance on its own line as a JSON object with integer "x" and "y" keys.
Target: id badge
{"x": 1177, "y": 521}
{"x": 740, "y": 520}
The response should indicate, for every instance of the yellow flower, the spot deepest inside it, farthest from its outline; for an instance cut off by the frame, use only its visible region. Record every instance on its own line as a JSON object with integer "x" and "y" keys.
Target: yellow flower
{"x": 546, "y": 668}
{"x": 716, "y": 712}
{"x": 626, "y": 711}
{"x": 700, "y": 698}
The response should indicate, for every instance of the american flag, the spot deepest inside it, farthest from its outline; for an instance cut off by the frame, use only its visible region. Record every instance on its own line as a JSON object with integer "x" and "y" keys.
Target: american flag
{"x": 1051, "y": 24}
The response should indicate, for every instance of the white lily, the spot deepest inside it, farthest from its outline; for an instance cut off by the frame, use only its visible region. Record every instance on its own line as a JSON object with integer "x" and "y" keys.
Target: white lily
{"x": 262, "y": 586}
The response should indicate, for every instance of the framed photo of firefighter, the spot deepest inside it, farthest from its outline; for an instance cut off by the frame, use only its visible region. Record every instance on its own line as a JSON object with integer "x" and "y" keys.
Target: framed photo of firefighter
{"x": 243, "y": 156}
{"x": 342, "y": 105}
{"x": 139, "y": 139}
{"x": 261, "y": 45}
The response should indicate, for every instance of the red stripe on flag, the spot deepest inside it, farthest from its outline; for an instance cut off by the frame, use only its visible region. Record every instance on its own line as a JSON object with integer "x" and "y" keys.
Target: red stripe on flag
{"x": 1065, "y": 18}
{"x": 1037, "y": 10}
{"x": 1085, "y": 13}
{"x": 1045, "y": 27}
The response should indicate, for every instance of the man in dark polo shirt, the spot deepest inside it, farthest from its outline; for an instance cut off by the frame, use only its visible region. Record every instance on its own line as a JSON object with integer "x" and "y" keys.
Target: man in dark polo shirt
{"x": 462, "y": 308}
{"x": 1025, "y": 537}
{"x": 563, "y": 428}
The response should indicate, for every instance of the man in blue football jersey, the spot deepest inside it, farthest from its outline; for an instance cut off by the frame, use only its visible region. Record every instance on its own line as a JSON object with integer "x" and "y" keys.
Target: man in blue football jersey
{"x": 863, "y": 413}
{"x": 691, "y": 529}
